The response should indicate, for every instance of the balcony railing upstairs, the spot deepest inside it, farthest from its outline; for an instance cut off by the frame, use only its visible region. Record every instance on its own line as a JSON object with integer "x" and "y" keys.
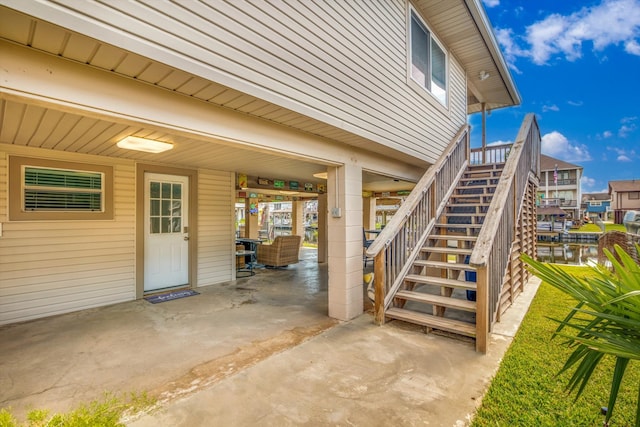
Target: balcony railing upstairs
{"x": 492, "y": 254}
{"x": 399, "y": 243}
{"x": 490, "y": 154}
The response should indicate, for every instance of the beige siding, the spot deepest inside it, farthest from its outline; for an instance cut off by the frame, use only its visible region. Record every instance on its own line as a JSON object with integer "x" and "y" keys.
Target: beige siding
{"x": 52, "y": 267}
{"x": 343, "y": 63}
{"x": 215, "y": 227}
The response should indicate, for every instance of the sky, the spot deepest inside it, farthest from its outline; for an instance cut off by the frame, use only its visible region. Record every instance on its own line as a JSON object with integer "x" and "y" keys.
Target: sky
{"x": 576, "y": 64}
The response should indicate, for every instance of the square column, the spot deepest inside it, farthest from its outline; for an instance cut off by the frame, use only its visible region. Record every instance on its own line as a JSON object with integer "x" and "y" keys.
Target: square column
{"x": 297, "y": 218}
{"x": 344, "y": 224}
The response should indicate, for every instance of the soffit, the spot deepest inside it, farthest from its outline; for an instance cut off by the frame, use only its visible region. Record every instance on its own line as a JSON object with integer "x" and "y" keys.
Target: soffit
{"x": 465, "y": 29}
{"x": 38, "y": 126}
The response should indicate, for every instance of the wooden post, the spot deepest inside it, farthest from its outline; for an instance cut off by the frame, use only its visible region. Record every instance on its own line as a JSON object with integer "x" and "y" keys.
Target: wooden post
{"x": 379, "y": 283}
{"x": 482, "y": 309}
{"x": 484, "y": 133}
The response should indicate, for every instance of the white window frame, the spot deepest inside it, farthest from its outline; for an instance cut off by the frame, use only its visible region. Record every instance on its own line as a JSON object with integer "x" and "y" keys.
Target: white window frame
{"x": 427, "y": 84}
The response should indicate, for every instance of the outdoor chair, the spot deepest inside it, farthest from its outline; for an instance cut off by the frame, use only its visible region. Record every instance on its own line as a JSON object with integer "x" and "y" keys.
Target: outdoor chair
{"x": 365, "y": 244}
{"x": 282, "y": 252}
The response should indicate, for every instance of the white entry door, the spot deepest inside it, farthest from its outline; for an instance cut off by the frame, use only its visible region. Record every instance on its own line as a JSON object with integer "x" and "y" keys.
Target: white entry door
{"x": 166, "y": 245}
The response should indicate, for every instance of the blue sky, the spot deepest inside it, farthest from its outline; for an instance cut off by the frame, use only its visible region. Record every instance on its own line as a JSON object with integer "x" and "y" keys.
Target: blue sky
{"x": 577, "y": 67}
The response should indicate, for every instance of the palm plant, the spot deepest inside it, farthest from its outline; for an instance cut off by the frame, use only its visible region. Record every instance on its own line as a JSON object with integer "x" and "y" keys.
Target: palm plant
{"x": 605, "y": 320}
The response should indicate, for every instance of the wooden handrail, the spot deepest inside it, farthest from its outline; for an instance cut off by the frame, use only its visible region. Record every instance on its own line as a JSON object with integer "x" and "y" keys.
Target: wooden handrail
{"x": 400, "y": 217}
{"x": 484, "y": 243}
{"x": 399, "y": 243}
{"x": 492, "y": 252}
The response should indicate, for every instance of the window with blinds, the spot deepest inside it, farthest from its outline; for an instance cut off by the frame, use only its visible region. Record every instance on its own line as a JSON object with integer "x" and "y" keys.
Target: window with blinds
{"x": 62, "y": 190}
{"x": 428, "y": 60}
{"x": 59, "y": 190}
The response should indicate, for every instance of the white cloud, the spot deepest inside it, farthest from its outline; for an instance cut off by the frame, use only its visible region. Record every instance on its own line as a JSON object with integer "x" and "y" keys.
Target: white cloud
{"x": 607, "y": 134}
{"x": 632, "y": 47}
{"x": 629, "y": 125}
{"x": 499, "y": 142}
{"x": 557, "y": 145}
{"x": 491, "y": 3}
{"x": 612, "y": 22}
{"x": 553, "y": 107}
{"x": 587, "y": 183}
{"x": 575, "y": 103}
{"x": 510, "y": 48}
{"x": 623, "y": 155}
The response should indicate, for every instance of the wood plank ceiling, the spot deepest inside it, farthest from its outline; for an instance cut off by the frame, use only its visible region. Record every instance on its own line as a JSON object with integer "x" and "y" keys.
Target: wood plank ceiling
{"x": 36, "y": 126}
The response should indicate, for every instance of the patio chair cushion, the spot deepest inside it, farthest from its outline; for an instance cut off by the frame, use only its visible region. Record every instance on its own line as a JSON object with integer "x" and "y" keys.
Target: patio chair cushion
{"x": 283, "y": 251}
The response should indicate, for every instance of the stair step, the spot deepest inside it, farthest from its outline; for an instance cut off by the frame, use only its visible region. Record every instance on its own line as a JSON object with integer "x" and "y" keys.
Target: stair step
{"x": 443, "y": 265}
{"x": 476, "y": 215}
{"x": 456, "y": 303}
{"x": 480, "y": 197}
{"x": 431, "y": 321}
{"x": 441, "y": 281}
{"x": 468, "y": 205}
{"x": 440, "y": 225}
{"x": 453, "y": 237}
{"x": 447, "y": 250}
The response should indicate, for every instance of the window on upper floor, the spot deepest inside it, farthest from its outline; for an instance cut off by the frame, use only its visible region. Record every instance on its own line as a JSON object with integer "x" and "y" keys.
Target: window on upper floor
{"x": 635, "y": 195}
{"x": 428, "y": 60}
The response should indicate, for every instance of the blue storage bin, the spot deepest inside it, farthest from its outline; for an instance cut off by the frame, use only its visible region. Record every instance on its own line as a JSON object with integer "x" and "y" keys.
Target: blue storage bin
{"x": 470, "y": 276}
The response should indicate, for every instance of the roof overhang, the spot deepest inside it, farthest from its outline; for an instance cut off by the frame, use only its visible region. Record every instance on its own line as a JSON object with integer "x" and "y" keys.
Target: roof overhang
{"x": 465, "y": 29}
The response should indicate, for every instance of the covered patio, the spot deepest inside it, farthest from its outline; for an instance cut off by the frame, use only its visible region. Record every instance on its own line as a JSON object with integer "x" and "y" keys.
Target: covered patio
{"x": 238, "y": 353}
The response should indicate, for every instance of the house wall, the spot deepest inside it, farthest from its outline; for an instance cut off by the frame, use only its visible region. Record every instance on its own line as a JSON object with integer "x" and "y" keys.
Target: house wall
{"x": 53, "y": 267}
{"x": 343, "y": 63}
{"x": 622, "y": 201}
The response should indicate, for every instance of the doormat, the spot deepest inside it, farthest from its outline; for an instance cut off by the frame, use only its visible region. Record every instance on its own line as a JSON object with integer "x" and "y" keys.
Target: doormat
{"x": 156, "y": 299}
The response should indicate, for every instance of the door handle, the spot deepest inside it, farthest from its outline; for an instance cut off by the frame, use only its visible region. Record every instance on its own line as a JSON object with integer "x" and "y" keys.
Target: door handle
{"x": 186, "y": 238}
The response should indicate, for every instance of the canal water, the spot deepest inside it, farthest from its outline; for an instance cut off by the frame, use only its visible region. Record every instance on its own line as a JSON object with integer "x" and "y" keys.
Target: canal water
{"x": 567, "y": 253}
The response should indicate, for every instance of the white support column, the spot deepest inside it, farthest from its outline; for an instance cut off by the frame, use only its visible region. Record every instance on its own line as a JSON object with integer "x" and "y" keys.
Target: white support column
{"x": 344, "y": 199}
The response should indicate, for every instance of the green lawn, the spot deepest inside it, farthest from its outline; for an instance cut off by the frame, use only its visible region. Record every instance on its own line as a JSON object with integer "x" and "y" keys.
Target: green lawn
{"x": 592, "y": 228}
{"x": 526, "y": 390}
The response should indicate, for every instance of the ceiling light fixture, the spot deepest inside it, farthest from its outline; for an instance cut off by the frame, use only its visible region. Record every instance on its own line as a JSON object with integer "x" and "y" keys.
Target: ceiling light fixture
{"x": 483, "y": 75}
{"x": 321, "y": 175}
{"x": 143, "y": 144}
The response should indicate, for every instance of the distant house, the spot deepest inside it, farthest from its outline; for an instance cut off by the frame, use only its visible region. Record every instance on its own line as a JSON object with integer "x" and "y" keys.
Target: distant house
{"x": 560, "y": 185}
{"x": 596, "y": 205}
{"x": 625, "y": 196}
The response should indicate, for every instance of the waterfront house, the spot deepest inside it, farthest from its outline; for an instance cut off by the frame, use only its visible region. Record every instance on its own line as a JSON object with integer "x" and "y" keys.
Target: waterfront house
{"x": 129, "y": 130}
{"x": 560, "y": 186}
{"x": 625, "y": 196}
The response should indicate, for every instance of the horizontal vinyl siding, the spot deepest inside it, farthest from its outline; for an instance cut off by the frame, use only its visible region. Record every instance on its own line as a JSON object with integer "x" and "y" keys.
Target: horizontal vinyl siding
{"x": 215, "y": 227}
{"x": 343, "y": 63}
{"x": 53, "y": 267}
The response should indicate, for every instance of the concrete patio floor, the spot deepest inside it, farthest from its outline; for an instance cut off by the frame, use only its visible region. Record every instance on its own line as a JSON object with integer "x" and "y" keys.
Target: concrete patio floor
{"x": 256, "y": 351}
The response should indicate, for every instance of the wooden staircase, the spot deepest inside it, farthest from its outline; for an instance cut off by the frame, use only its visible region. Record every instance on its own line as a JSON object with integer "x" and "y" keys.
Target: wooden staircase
{"x": 439, "y": 290}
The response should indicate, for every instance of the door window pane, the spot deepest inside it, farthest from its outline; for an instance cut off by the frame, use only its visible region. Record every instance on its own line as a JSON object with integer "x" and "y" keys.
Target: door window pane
{"x": 165, "y": 207}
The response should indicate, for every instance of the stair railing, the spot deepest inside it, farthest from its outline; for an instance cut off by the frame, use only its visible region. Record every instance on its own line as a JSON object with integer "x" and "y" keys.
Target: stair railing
{"x": 399, "y": 243}
{"x": 491, "y": 253}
